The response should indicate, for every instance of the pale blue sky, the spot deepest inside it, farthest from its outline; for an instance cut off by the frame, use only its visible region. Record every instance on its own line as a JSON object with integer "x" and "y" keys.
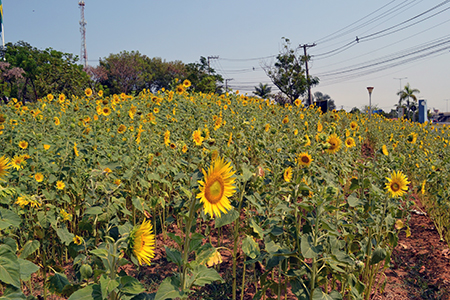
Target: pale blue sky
{"x": 239, "y": 32}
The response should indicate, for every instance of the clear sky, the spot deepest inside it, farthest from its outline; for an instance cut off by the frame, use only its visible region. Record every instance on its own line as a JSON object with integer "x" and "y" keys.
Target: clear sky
{"x": 397, "y": 39}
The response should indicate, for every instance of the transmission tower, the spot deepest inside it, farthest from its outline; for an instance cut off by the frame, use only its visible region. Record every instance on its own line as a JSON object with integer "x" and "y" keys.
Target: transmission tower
{"x": 83, "y": 56}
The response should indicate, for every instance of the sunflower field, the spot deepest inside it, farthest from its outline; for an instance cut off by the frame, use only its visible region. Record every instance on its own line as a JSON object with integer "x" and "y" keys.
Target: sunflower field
{"x": 295, "y": 202}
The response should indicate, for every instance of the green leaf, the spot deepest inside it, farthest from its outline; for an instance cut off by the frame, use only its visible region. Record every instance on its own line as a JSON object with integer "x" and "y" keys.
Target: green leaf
{"x": 57, "y": 283}
{"x": 26, "y": 268}
{"x": 29, "y": 248}
{"x": 196, "y": 241}
{"x": 86, "y": 271}
{"x": 258, "y": 230}
{"x": 101, "y": 253}
{"x": 91, "y": 292}
{"x": 94, "y": 210}
{"x": 8, "y": 218}
{"x": 202, "y": 275}
{"x": 246, "y": 174}
{"x": 153, "y": 176}
{"x": 204, "y": 254}
{"x": 250, "y": 247}
{"x": 137, "y": 204}
{"x": 9, "y": 266}
{"x": 307, "y": 247}
{"x": 318, "y": 294}
{"x": 170, "y": 289}
{"x": 227, "y": 218}
{"x": 175, "y": 237}
{"x": 107, "y": 286}
{"x": 378, "y": 255}
{"x": 353, "y": 201}
{"x": 173, "y": 255}
{"x": 187, "y": 192}
{"x": 65, "y": 236}
{"x": 12, "y": 293}
{"x": 130, "y": 286}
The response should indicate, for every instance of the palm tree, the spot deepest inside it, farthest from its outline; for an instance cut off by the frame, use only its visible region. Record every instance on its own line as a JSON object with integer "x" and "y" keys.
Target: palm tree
{"x": 263, "y": 90}
{"x": 406, "y": 94}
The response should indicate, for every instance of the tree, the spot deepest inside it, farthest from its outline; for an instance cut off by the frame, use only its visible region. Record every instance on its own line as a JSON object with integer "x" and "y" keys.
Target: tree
{"x": 355, "y": 110}
{"x": 319, "y": 97}
{"x": 11, "y": 78}
{"x": 263, "y": 90}
{"x": 288, "y": 73}
{"x": 406, "y": 94}
{"x": 44, "y": 71}
{"x": 204, "y": 78}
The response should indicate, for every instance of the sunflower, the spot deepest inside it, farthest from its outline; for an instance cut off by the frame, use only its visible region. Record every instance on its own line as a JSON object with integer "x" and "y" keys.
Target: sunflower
{"x": 77, "y": 240}
{"x": 173, "y": 146}
{"x": 335, "y": 143}
{"x": 266, "y": 127}
{"x": 412, "y": 138}
{"x": 167, "y": 138}
{"x": 287, "y": 175}
{"x": 197, "y": 137}
{"x": 186, "y": 83}
{"x": 23, "y": 144}
{"x": 397, "y": 185}
{"x": 353, "y": 125}
{"x": 384, "y": 150}
{"x": 39, "y": 177}
{"x": 304, "y": 159}
{"x": 422, "y": 189}
{"x": 22, "y": 201}
{"x": 57, "y": 121}
{"x": 319, "y": 127}
{"x": 106, "y": 111}
{"x": 75, "y": 150}
{"x": 100, "y": 93}
{"x": 156, "y": 110}
{"x": 184, "y": 149}
{"x": 18, "y": 161}
{"x": 216, "y": 187}
{"x": 350, "y": 142}
{"x": 61, "y": 98}
{"x": 285, "y": 120}
{"x": 46, "y": 147}
{"x": 180, "y": 89}
{"x": 122, "y": 128}
{"x": 308, "y": 141}
{"x": 230, "y": 139}
{"x": 142, "y": 242}
{"x": 50, "y": 97}
{"x": 60, "y": 185}
{"x": 88, "y": 92}
{"x": 4, "y": 165}
{"x": 297, "y": 102}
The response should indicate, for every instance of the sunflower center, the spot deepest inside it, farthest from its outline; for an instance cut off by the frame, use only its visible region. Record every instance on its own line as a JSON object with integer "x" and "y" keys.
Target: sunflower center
{"x": 214, "y": 190}
{"x": 395, "y": 187}
{"x": 305, "y": 159}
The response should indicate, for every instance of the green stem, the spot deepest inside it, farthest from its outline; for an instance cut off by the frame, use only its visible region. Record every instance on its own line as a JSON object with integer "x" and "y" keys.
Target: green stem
{"x": 236, "y": 240}
{"x": 187, "y": 240}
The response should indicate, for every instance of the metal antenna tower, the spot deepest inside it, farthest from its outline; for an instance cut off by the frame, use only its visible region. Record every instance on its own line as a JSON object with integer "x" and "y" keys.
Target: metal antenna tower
{"x": 83, "y": 56}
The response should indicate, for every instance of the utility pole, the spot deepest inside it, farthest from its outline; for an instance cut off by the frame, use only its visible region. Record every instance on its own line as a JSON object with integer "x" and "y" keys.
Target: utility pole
{"x": 401, "y": 81}
{"x": 307, "y": 71}
{"x": 83, "y": 56}
{"x": 209, "y": 67}
{"x": 226, "y": 83}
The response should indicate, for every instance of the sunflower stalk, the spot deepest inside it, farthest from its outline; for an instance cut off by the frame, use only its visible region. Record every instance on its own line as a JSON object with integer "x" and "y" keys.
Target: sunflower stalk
{"x": 236, "y": 240}
{"x": 187, "y": 239}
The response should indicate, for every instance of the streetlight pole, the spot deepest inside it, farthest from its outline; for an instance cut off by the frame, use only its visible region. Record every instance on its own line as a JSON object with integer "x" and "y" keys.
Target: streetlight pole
{"x": 370, "y": 89}
{"x": 401, "y": 81}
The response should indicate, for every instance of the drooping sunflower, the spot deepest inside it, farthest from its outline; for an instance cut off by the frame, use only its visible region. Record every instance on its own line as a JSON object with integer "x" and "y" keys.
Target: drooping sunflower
{"x": 57, "y": 121}
{"x": 350, "y": 142}
{"x": 397, "y": 185}
{"x": 308, "y": 141}
{"x": 266, "y": 127}
{"x": 4, "y": 165}
{"x": 197, "y": 137}
{"x": 335, "y": 143}
{"x": 88, "y": 92}
{"x": 142, "y": 242}
{"x": 184, "y": 149}
{"x": 304, "y": 159}
{"x": 23, "y": 144}
{"x": 77, "y": 240}
{"x": 216, "y": 188}
{"x": 287, "y": 175}
{"x": 384, "y": 150}
{"x": 319, "y": 127}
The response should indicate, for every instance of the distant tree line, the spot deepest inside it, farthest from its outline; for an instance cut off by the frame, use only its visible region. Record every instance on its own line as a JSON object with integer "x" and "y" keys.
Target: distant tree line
{"x": 28, "y": 73}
